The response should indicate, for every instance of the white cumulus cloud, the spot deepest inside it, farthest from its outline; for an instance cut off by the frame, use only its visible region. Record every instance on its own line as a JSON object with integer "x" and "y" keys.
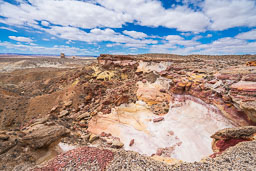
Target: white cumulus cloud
{"x": 250, "y": 35}
{"x": 152, "y": 13}
{"x": 7, "y": 28}
{"x": 64, "y": 12}
{"x": 21, "y": 39}
{"x": 227, "y": 45}
{"x": 226, "y": 14}
{"x": 135, "y": 34}
{"x": 33, "y": 48}
{"x": 97, "y": 35}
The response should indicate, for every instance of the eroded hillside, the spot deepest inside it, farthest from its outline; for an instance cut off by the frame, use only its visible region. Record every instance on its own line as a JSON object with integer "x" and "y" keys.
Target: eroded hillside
{"x": 169, "y": 111}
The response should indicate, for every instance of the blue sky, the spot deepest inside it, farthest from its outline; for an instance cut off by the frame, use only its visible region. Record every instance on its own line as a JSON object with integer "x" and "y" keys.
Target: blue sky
{"x": 92, "y": 27}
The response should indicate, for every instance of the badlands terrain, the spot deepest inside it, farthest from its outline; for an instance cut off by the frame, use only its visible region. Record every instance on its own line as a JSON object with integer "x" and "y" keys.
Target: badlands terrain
{"x": 125, "y": 112}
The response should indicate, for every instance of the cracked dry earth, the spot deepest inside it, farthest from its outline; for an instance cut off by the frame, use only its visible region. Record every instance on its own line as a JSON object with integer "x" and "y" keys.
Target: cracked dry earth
{"x": 144, "y": 112}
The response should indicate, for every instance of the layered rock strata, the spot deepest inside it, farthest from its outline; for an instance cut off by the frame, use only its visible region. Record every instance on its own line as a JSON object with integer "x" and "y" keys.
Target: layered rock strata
{"x": 162, "y": 102}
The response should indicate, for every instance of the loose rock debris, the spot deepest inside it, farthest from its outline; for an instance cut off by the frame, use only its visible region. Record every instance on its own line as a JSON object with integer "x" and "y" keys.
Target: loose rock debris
{"x": 106, "y": 107}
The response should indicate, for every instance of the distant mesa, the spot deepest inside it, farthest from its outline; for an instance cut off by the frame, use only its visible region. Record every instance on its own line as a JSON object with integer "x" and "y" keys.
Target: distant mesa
{"x": 62, "y": 55}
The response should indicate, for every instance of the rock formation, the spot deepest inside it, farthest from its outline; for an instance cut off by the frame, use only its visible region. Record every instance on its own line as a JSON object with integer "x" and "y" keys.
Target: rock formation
{"x": 62, "y": 55}
{"x": 172, "y": 112}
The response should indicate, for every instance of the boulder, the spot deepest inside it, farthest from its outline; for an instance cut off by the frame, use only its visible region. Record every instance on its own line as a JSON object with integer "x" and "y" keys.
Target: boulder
{"x": 93, "y": 137}
{"x": 4, "y": 137}
{"x": 159, "y": 151}
{"x": 121, "y": 100}
{"x": 244, "y": 86}
{"x": 158, "y": 119}
{"x": 63, "y": 113}
{"x": 68, "y": 103}
{"x": 54, "y": 108}
{"x": 83, "y": 124}
{"x": 131, "y": 142}
{"x": 245, "y": 132}
{"x": 117, "y": 144}
{"x": 229, "y": 137}
{"x": 41, "y": 135}
{"x": 7, "y": 145}
{"x": 82, "y": 116}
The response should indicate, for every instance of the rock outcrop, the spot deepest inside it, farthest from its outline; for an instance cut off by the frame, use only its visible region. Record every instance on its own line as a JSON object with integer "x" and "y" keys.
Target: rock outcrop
{"x": 41, "y": 135}
{"x": 31, "y": 145}
{"x": 226, "y": 138}
{"x": 243, "y": 94}
{"x": 62, "y": 55}
{"x": 151, "y": 103}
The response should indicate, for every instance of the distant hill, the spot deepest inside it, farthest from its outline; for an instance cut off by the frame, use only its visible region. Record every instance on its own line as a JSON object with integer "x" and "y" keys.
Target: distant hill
{"x": 41, "y": 55}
